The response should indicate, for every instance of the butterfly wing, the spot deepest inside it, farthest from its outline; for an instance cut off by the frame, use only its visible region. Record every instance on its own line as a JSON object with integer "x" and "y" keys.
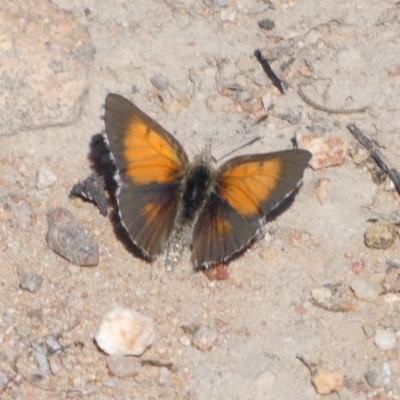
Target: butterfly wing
{"x": 150, "y": 163}
{"x": 247, "y": 188}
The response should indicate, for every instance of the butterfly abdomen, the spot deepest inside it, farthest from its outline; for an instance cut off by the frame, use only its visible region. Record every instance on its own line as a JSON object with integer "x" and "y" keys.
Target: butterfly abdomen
{"x": 195, "y": 193}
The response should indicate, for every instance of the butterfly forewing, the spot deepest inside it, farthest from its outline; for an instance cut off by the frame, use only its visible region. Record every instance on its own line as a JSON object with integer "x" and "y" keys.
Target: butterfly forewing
{"x": 150, "y": 164}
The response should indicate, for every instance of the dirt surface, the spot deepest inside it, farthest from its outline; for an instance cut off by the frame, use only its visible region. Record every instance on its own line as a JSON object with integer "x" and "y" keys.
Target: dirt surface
{"x": 190, "y": 65}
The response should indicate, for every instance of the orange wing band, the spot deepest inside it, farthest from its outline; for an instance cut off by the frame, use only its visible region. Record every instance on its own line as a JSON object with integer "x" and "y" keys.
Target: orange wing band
{"x": 149, "y": 157}
{"x": 246, "y": 186}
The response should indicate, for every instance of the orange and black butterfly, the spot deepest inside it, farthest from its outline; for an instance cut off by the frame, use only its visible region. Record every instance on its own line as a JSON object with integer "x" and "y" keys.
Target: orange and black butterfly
{"x": 161, "y": 191}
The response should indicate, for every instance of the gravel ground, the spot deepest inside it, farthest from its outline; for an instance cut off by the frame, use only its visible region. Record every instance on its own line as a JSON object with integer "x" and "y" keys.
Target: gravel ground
{"x": 308, "y": 310}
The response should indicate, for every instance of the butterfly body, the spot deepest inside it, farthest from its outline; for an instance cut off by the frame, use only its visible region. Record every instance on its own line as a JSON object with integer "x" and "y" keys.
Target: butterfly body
{"x": 196, "y": 190}
{"x": 162, "y": 196}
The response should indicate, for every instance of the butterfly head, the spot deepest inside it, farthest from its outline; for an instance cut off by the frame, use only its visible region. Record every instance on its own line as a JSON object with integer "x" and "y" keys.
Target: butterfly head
{"x": 206, "y": 158}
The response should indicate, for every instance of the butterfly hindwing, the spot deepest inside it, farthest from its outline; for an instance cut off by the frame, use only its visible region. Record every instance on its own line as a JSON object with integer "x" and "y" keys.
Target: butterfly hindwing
{"x": 247, "y": 188}
{"x": 220, "y": 231}
{"x": 148, "y": 213}
{"x": 150, "y": 164}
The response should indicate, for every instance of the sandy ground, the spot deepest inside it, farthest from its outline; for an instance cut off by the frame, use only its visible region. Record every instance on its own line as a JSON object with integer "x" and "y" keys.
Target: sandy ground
{"x": 264, "y": 315}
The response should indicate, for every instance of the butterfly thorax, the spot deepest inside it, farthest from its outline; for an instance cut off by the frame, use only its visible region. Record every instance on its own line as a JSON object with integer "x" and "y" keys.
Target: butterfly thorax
{"x": 196, "y": 190}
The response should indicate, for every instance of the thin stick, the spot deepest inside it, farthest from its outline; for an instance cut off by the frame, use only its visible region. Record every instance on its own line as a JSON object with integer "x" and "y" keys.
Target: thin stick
{"x": 320, "y": 107}
{"x": 269, "y": 71}
{"x": 393, "y": 174}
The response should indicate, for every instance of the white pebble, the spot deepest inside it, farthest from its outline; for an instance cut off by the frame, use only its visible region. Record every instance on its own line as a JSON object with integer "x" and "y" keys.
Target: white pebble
{"x": 45, "y": 178}
{"x": 185, "y": 341}
{"x": 125, "y": 332}
{"x": 204, "y": 337}
{"x": 385, "y": 340}
{"x": 365, "y": 289}
{"x": 228, "y": 15}
{"x": 266, "y": 101}
{"x": 321, "y": 295}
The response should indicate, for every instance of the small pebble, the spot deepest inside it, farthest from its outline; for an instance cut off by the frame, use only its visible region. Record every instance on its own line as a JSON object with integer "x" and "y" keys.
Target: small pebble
{"x": 393, "y": 263}
{"x": 390, "y": 298}
{"x": 45, "y": 178}
{"x": 385, "y": 340}
{"x": 379, "y": 376}
{"x": 267, "y": 101}
{"x": 158, "y": 82}
{"x": 243, "y": 95}
{"x": 266, "y": 24}
{"x": 23, "y": 330}
{"x": 31, "y": 282}
{"x": 327, "y": 149}
{"x": 185, "y": 341}
{"x": 4, "y": 380}
{"x": 380, "y": 235}
{"x": 55, "y": 365}
{"x": 394, "y": 70}
{"x": 359, "y": 154}
{"x": 217, "y": 273}
{"x": 326, "y": 381}
{"x": 321, "y": 295}
{"x": 220, "y": 3}
{"x": 365, "y": 290}
{"x": 291, "y": 117}
{"x": 123, "y": 367}
{"x": 112, "y": 382}
{"x": 392, "y": 280}
{"x": 67, "y": 237}
{"x": 36, "y": 316}
{"x": 125, "y": 332}
{"x": 40, "y": 358}
{"x": 228, "y": 15}
{"x": 369, "y": 330}
{"x": 52, "y": 345}
{"x": 357, "y": 266}
{"x": 204, "y": 337}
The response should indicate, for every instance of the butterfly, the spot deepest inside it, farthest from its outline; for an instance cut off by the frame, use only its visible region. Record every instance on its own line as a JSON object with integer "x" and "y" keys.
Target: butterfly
{"x": 161, "y": 192}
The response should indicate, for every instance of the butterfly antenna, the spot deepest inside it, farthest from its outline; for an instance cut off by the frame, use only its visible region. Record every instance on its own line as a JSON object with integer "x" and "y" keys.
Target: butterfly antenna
{"x": 256, "y": 139}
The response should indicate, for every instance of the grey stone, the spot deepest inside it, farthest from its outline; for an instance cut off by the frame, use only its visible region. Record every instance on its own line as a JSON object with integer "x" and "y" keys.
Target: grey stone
{"x": 158, "y": 82}
{"x": 379, "y": 376}
{"x": 266, "y": 24}
{"x": 52, "y": 345}
{"x": 31, "y": 282}
{"x": 67, "y": 237}
{"x": 123, "y": 367}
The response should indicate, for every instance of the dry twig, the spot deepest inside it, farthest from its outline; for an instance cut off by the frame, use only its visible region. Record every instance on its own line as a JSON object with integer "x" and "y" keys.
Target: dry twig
{"x": 393, "y": 174}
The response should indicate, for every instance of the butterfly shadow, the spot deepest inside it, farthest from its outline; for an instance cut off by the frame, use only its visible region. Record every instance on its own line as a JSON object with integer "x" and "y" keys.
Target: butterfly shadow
{"x": 104, "y": 166}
